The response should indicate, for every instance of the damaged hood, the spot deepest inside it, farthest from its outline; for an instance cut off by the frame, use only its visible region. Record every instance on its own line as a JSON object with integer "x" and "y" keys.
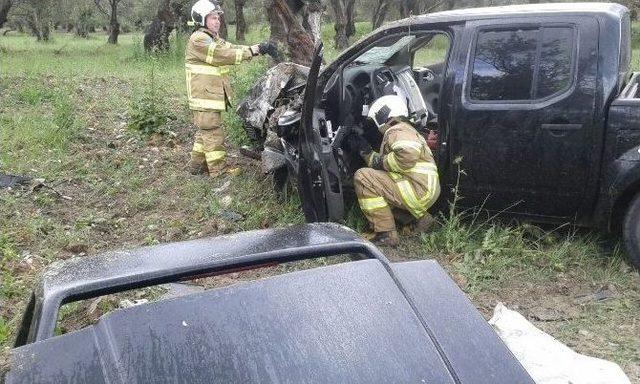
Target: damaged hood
{"x": 277, "y": 89}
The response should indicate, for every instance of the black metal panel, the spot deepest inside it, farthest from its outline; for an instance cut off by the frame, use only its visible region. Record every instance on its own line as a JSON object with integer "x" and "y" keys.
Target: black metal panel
{"x": 347, "y": 323}
{"x": 470, "y": 345}
{"x": 111, "y": 272}
{"x": 72, "y": 359}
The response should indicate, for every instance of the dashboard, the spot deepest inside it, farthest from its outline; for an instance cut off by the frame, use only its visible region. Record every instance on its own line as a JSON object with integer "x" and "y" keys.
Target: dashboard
{"x": 365, "y": 83}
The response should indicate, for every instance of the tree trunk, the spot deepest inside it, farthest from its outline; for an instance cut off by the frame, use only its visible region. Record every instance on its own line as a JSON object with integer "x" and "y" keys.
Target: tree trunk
{"x": 241, "y": 24}
{"x": 312, "y": 18}
{"x": 45, "y": 31}
{"x": 5, "y": 6}
{"x": 409, "y": 7}
{"x": 449, "y": 4}
{"x": 429, "y": 6}
{"x": 342, "y": 10}
{"x": 168, "y": 16}
{"x": 287, "y": 30}
{"x": 223, "y": 23}
{"x": 278, "y": 30}
{"x": 114, "y": 26}
{"x": 156, "y": 37}
{"x": 379, "y": 13}
{"x": 351, "y": 16}
{"x": 39, "y": 25}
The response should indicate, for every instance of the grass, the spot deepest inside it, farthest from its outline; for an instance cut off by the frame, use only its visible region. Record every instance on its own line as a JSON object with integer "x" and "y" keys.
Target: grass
{"x": 65, "y": 115}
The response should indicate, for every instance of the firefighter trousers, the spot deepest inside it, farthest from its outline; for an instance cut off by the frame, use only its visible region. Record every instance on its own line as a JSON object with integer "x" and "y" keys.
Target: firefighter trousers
{"x": 377, "y": 193}
{"x": 208, "y": 151}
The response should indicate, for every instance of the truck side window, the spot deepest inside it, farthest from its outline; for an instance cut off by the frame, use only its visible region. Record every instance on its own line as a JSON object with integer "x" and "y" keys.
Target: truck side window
{"x": 433, "y": 53}
{"x": 555, "y": 61}
{"x": 522, "y": 64}
{"x": 503, "y": 65}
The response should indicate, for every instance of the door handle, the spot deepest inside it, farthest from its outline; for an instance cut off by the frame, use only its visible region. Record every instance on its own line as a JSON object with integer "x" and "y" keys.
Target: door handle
{"x": 560, "y": 130}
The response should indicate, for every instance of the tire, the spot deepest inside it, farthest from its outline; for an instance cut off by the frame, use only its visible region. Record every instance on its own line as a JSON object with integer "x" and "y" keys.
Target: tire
{"x": 631, "y": 231}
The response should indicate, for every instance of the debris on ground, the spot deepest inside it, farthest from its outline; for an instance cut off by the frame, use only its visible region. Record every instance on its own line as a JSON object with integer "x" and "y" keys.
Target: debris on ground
{"x": 126, "y": 303}
{"x": 226, "y": 201}
{"x": 547, "y": 360}
{"x": 606, "y": 292}
{"x": 77, "y": 248}
{"x": 231, "y": 216}
{"x": 223, "y": 188}
{"x": 94, "y": 305}
{"x": 38, "y": 185}
{"x": 11, "y": 181}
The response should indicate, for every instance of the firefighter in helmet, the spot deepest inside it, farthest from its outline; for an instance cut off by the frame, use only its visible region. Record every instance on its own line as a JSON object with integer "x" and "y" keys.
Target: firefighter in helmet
{"x": 402, "y": 174}
{"x": 207, "y": 62}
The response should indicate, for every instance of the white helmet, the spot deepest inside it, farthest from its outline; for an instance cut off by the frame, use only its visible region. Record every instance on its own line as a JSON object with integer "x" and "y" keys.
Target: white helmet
{"x": 201, "y": 9}
{"x": 387, "y": 107}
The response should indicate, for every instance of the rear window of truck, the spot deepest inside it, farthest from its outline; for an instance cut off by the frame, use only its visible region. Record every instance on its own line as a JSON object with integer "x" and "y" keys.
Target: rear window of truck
{"x": 522, "y": 64}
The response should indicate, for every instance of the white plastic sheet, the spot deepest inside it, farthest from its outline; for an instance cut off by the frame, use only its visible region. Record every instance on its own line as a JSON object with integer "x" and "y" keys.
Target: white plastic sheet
{"x": 547, "y": 360}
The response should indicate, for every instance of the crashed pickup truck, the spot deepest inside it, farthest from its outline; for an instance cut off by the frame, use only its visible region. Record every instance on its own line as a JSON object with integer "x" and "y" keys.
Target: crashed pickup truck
{"x": 532, "y": 111}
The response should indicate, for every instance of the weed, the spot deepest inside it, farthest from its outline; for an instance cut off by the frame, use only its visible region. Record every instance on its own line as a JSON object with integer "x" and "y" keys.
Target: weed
{"x": 487, "y": 252}
{"x": 8, "y": 251}
{"x": 34, "y": 95}
{"x": 355, "y": 219}
{"x": 64, "y": 313}
{"x": 149, "y": 112}
{"x": 4, "y": 331}
{"x": 145, "y": 200}
{"x": 64, "y": 118}
{"x": 150, "y": 240}
{"x": 11, "y": 287}
{"x": 37, "y": 131}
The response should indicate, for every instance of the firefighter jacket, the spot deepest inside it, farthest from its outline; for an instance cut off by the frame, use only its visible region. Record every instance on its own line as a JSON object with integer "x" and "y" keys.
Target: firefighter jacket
{"x": 404, "y": 154}
{"x": 207, "y": 62}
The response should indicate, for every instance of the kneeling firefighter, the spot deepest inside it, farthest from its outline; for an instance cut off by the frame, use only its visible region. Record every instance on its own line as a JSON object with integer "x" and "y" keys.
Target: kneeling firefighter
{"x": 402, "y": 175}
{"x": 207, "y": 62}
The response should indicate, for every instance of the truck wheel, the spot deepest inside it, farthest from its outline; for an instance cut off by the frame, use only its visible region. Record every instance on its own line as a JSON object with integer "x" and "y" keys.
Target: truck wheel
{"x": 631, "y": 231}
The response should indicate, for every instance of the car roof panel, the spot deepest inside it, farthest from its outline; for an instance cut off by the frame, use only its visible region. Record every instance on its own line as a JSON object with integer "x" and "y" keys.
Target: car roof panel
{"x": 342, "y": 323}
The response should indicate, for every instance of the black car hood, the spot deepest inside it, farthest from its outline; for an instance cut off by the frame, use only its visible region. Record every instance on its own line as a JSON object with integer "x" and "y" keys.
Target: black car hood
{"x": 357, "y": 322}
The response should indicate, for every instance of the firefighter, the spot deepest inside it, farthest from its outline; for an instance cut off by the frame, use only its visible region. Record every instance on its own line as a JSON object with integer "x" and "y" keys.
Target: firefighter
{"x": 207, "y": 62}
{"x": 402, "y": 175}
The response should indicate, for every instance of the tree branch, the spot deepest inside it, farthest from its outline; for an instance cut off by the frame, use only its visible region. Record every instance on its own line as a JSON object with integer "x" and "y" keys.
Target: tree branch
{"x": 100, "y": 8}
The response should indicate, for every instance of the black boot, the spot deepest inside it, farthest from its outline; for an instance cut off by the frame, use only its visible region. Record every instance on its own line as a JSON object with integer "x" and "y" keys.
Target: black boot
{"x": 387, "y": 239}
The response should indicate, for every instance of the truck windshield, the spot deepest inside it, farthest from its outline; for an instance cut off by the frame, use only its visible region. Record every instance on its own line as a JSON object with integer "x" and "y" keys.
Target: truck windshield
{"x": 383, "y": 52}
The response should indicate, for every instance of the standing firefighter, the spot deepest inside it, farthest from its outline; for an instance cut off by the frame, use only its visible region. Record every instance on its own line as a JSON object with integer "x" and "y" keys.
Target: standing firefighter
{"x": 207, "y": 62}
{"x": 403, "y": 175}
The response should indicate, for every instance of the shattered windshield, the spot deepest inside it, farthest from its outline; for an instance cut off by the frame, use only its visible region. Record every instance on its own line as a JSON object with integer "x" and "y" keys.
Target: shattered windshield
{"x": 381, "y": 53}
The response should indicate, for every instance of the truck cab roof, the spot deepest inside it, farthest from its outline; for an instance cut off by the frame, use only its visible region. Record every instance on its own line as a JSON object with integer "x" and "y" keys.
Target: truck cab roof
{"x": 613, "y": 11}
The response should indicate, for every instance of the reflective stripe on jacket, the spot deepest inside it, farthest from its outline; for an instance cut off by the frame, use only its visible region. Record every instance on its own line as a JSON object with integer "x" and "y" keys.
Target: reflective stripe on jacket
{"x": 404, "y": 154}
{"x": 207, "y": 61}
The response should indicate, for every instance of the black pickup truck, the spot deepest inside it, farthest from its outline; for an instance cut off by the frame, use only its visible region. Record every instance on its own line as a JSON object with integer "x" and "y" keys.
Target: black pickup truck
{"x": 536, "y": 103}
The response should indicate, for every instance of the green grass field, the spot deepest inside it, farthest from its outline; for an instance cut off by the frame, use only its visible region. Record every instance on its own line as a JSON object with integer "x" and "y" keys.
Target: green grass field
{"x": 65, "y": 109}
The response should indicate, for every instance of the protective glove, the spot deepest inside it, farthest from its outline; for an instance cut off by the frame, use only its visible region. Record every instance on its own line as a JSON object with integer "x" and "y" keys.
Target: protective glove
{"x": 268, "y": 48}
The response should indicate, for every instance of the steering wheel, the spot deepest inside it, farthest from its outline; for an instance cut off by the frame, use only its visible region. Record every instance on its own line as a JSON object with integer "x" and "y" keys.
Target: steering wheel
{"x": 380, "y": 79}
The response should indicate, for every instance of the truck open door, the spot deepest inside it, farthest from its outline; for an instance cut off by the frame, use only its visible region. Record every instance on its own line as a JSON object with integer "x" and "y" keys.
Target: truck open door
{"x": 319, "y": 184}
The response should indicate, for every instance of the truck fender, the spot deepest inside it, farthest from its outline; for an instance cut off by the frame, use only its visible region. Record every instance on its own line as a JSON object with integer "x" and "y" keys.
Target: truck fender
{"x": 621, "y": 186}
